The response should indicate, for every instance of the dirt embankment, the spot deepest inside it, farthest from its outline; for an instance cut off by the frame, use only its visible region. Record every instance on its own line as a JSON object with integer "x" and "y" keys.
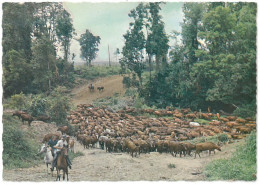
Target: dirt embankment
{"x": 112, "y": 85}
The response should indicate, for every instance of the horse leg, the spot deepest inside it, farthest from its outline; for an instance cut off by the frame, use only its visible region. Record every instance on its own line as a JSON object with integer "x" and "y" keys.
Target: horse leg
{"x": 58, "y": 174}
{"x": 63, "y": 174}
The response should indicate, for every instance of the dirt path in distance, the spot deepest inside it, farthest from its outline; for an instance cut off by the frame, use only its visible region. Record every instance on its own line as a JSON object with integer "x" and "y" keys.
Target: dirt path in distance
{"x": 112, "y": 85}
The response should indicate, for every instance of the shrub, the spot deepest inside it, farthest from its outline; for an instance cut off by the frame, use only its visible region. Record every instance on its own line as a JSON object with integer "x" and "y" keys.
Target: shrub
{"x": 38, "y": 105}
{"x": 171, "y": 166}
{"x": 18, "y": 101}
{"x": 18, "y": 150}
{"x": 59, "y": 106}
{"x": 223, "y": 138}
{"x": 247, "y": 110}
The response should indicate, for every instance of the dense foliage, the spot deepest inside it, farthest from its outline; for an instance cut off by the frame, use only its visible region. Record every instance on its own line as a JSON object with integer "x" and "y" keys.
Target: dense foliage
{"x": 215, "y": 65}
{"x": 32, "y": 35}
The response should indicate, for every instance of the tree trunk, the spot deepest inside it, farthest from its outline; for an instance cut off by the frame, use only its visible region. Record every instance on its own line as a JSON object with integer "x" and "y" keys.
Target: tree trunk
{"x": 140, "y": 79}
{"x": 150, "y": 66}
{"x": 157, "y": 60}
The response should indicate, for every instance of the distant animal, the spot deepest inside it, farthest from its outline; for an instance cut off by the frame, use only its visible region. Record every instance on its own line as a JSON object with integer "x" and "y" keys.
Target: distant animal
{"x": 91, "y": 87}
{"x": 100, "y": 88}
{"x": 62, "y": 164}
{"x": 194, "y": 124}
{"x": 43, "y": 118}
{"x": 18, "y": 113}
{"x": 48, "y": 158}
{"x": 27, "y": 117}
{"x": 71, "y": 145}
{"x": 63, "y": 129}
{"x": 47, "y": 137}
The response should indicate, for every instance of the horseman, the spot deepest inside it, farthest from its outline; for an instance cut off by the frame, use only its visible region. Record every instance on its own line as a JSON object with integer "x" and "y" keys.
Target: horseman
{"x": 52, "y": 142}
{"x": 59, "y": 146}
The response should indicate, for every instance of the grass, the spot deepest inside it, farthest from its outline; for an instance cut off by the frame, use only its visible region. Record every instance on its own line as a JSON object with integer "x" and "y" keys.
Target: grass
{"x": 74, "y": 155}
{"x": 19, "y": 150}
{"x": 171, "y": 166}
{"x": 94, "y": 72}
{"x": 241, "y": 166}
{"x": 202, "y": 121}
{"x": 214, "y": 139}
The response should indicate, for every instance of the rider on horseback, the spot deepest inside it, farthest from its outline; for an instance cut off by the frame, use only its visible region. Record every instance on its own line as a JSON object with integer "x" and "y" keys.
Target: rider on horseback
{"x": 52, "y": 142}
{"x": 60, "y": 144}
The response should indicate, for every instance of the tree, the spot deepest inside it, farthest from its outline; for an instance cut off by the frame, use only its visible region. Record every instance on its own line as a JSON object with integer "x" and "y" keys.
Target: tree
{"x": 17, "y": 29}
{"x": 157, "y": 40}
{"x": 18, "y": 74}
{"x": 191, "y": 26}
{"x": 89, "y": 46}
{"x": 44, "y": 64}
{"x": 116, "y": 53}
{"x": 135, "y": 42}
{"x": 226, "y": 72}
{"x": 64, "y": 31}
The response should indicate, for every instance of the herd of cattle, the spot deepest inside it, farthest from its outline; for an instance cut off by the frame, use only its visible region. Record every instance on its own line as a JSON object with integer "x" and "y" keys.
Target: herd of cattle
{"x": 163, "y": 131}
{"x": 125, "y": 131}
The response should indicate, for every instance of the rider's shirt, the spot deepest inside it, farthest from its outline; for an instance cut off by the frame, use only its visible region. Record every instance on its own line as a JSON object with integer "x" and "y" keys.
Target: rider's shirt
{"x": 61, "y": 143}
{"x": 52, "y": 143}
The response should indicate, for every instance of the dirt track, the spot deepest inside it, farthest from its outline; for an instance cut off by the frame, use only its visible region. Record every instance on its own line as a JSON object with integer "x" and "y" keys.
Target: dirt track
{"x": 112, "y": 85}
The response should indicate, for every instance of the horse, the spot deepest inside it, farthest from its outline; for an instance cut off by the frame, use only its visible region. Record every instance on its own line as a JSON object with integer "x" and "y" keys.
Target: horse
{"x": 100, "y": 88}
{"x": 48, "y": 158}
{"x": 62, "y": 164}
{"x": 91, "y": 87}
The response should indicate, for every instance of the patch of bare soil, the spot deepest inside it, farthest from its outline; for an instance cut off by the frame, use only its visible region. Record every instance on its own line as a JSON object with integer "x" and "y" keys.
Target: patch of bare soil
{"x": 97, "y": 165}
{"x": 112, "y": 85}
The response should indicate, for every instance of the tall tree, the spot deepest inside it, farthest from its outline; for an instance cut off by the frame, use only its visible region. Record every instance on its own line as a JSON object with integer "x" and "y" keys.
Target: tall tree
{"x": 89, "y": 46}
{"x": 191, "y": 26}
{"x": 135, "y": 42}
{"x": 17, "y": 29}
{"x": 44, "y": 64}
{"x": 64, "y": 31}
{"x": 17, "y": 77}
{"x": 157, "y": 40}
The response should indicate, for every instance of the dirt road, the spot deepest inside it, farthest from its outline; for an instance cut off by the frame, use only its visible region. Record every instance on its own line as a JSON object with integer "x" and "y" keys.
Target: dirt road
{"x": 112, "y": 85}
{"x": 97, "y": 165}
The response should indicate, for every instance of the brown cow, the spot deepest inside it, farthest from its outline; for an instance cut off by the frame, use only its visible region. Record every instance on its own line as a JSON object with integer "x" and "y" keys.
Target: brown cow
{"x": 63, "y": 129}
{"x": 27, "y": 117}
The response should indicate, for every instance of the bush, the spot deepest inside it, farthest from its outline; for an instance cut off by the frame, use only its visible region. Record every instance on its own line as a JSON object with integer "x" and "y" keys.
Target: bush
{"x": 18, "y": 150}
{"x": 18, "y": 101}
{"x": 247, "y": 110}
{"x": 38, "y": 105}
{"x": 241, "y": 166}
{"x": 59, "y": 106}
{"x": 223, "y": 138}
{"x": 171, "y": 166}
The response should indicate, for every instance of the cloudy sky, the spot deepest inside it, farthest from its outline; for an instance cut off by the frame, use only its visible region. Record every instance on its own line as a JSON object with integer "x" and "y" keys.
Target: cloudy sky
{"x": 110, "y": 21}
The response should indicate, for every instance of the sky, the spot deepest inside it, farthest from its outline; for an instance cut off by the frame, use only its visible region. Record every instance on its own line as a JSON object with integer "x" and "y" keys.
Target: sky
{"x": 110, "y": 21}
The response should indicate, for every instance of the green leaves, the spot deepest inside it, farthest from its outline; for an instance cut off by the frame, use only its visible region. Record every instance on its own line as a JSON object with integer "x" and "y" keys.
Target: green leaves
{"x": 89, "y": 46}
